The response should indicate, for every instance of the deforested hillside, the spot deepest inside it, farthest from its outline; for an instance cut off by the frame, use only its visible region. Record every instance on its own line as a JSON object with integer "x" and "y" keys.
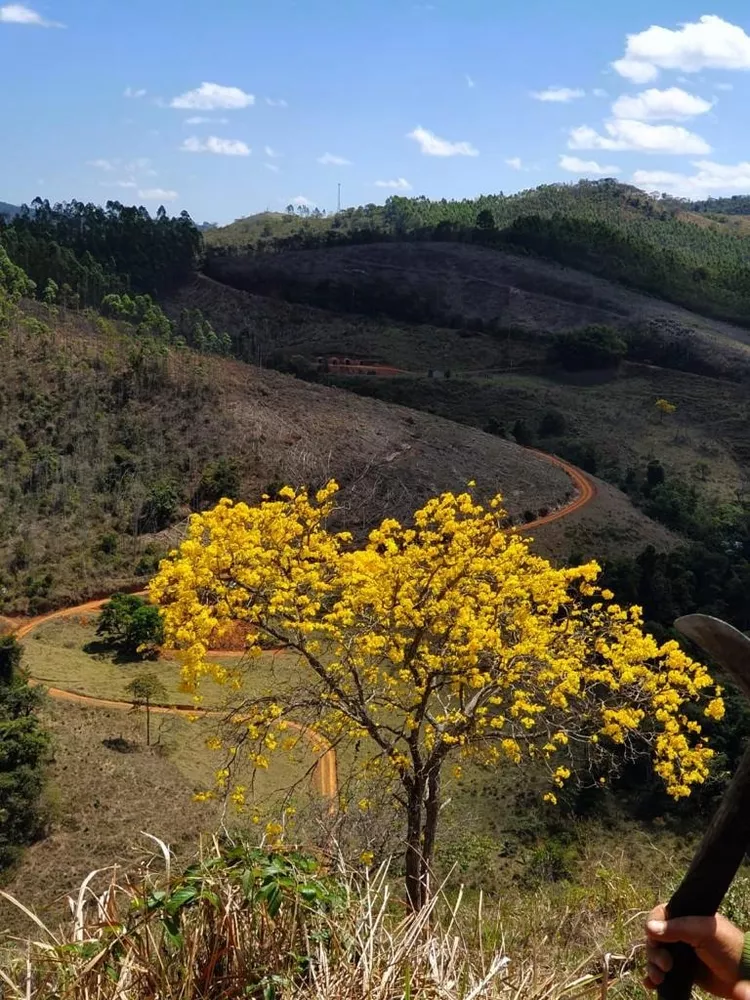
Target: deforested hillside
{"x": 461, "y": 286}
{"x": 110, "y": 440}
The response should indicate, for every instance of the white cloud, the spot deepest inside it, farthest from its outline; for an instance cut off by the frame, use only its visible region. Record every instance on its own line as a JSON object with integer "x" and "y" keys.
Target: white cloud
{"x": 140, "y": 166}
{"x": 653, "y": 104}
{"x": 272, "y": 167}
{"x": 301, "y": 202}
{"x": 134, "y": 93}
{"x": 272, "y": 154}
{"x": 221, "y": 147}
{"x": 277, "y": 103}
{"x": 638, "y": 72}
{"x": 515, "y": 162}
{"x": 401, "y": 184}
{"x": 558, "y": 95}
{"x": 210, "y": 96}
{"x": 470, "y": 82}
{"x": 102, "y": 164}
{"x": 157, "y": 194}
{"x": 599, "y": 92}
{"x": 587, "y": 168}
{"x": 625, "y": 134}
{"x": 709, "y": 43}
{"x": 432, "y": 145}
{"x": 329, "y": 160}
{"x": 17, "y": 13}
{"x": 725, "y": 86}
{"x": 709, "y": 178}
{"x": 204, "y": 120}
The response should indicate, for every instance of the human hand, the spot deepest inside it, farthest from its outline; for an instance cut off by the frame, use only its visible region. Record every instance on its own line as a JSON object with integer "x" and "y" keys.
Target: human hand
{"x": 717, "y": 942}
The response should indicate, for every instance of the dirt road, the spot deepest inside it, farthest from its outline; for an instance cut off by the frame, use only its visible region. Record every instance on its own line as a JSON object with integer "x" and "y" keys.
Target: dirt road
{"x": 326, "y": 775}
{"x": 585, "y": 488}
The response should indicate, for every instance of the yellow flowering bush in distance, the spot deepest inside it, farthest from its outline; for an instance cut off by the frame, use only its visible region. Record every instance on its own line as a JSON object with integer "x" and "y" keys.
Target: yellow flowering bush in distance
{"x": 445, "y": 640}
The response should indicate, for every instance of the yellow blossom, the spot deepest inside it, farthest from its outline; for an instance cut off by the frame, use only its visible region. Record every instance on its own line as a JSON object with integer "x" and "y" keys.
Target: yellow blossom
{"x": 433, "y": 642}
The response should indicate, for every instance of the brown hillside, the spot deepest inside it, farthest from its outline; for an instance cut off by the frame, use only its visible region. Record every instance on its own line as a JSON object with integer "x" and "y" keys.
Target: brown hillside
{"x": 106, "y": 441}
{"x": 262, "y": 326}
{"x": 472, "y": 281}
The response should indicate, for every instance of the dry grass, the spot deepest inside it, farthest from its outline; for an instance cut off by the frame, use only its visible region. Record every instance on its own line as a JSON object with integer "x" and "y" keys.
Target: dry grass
{"x": 99, "y": 798}
{"x": 240, "y": 923}
{"x": 618, "y": 415}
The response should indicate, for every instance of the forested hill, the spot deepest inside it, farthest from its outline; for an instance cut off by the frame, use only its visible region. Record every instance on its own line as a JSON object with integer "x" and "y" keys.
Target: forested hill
{"x": 738, "y": 204}
{"x": 656, "y": 245}
{"x": 684, "y": 253}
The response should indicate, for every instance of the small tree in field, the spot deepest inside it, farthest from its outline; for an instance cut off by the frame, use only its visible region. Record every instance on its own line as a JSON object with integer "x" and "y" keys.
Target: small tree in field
{"x": 444, "y": 641}
{"x": 146, "y": 690}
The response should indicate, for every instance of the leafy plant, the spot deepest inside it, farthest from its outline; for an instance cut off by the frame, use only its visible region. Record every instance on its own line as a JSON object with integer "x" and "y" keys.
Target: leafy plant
{"x": 130, "y": 622}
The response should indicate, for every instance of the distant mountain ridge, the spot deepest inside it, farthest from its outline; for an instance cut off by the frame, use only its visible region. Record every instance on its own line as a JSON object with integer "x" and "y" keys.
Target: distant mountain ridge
{"x": 9, "y": 210}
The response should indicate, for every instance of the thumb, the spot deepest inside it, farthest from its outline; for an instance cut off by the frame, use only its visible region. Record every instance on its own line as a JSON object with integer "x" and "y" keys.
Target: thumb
{"x": 691, "y": 930}
{"x": 741, "y": 990}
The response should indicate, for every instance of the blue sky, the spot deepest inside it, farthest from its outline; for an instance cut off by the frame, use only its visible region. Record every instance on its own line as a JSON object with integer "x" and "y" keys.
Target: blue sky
{"x": 228, "y": 108}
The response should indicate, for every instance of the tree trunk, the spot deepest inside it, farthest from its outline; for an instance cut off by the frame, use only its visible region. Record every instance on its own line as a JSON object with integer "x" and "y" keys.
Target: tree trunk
{"x": 422, "y": 812}
{"x": 415, "y": 795}
{"x": 432, "y": 811}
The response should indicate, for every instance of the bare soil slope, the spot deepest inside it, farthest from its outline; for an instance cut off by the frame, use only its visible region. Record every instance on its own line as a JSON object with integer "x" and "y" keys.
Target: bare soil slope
{"x": 472, "y": 281}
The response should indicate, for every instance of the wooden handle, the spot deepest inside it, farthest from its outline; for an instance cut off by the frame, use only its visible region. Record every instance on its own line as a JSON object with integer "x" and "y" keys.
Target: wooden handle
{"x": 678, "y": 984}
{"x": 706, "y": 882}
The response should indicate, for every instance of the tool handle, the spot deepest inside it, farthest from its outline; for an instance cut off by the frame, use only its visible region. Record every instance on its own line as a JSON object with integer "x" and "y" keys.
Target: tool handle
{"x": 678, "y": 984}
{"x": 706, "y": 881}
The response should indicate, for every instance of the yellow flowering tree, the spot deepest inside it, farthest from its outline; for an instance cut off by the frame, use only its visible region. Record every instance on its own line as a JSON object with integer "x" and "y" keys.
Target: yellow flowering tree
{"x": 445, "y": 640}
{"x": 665, "y": 408}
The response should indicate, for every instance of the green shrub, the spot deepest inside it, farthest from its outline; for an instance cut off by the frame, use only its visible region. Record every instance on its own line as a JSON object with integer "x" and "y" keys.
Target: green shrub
{"x": 129, "y": 622}
{"x": 24, "y": 748}
{"x": 159, "y": 507}
{"x": 552, "y": 424}
{"x": 220, "y": 479}
{"x": 589, "y": 348}
{"x": 552, "y": 861}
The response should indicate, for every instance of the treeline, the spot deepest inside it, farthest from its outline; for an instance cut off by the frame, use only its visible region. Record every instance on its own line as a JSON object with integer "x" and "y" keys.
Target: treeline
{"x": 602, "y": 227}
{"x": 114, "y": 260}
{"x": 737, "y": 204}
{"x": 24, "y": 750}
{"x": 97, "y": 250}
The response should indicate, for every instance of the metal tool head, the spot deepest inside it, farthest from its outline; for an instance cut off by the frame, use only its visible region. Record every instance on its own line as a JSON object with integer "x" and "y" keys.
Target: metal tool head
{"x": 723, "y": 643}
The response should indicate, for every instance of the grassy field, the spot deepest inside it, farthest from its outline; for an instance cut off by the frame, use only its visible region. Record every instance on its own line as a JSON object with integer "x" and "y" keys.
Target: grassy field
{"x": 66, "y": 653}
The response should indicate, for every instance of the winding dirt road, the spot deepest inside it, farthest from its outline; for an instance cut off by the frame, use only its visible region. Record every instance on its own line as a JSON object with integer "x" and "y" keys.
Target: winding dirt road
{"x": 326, "y": 774}
{"x": 585, "y": 488}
